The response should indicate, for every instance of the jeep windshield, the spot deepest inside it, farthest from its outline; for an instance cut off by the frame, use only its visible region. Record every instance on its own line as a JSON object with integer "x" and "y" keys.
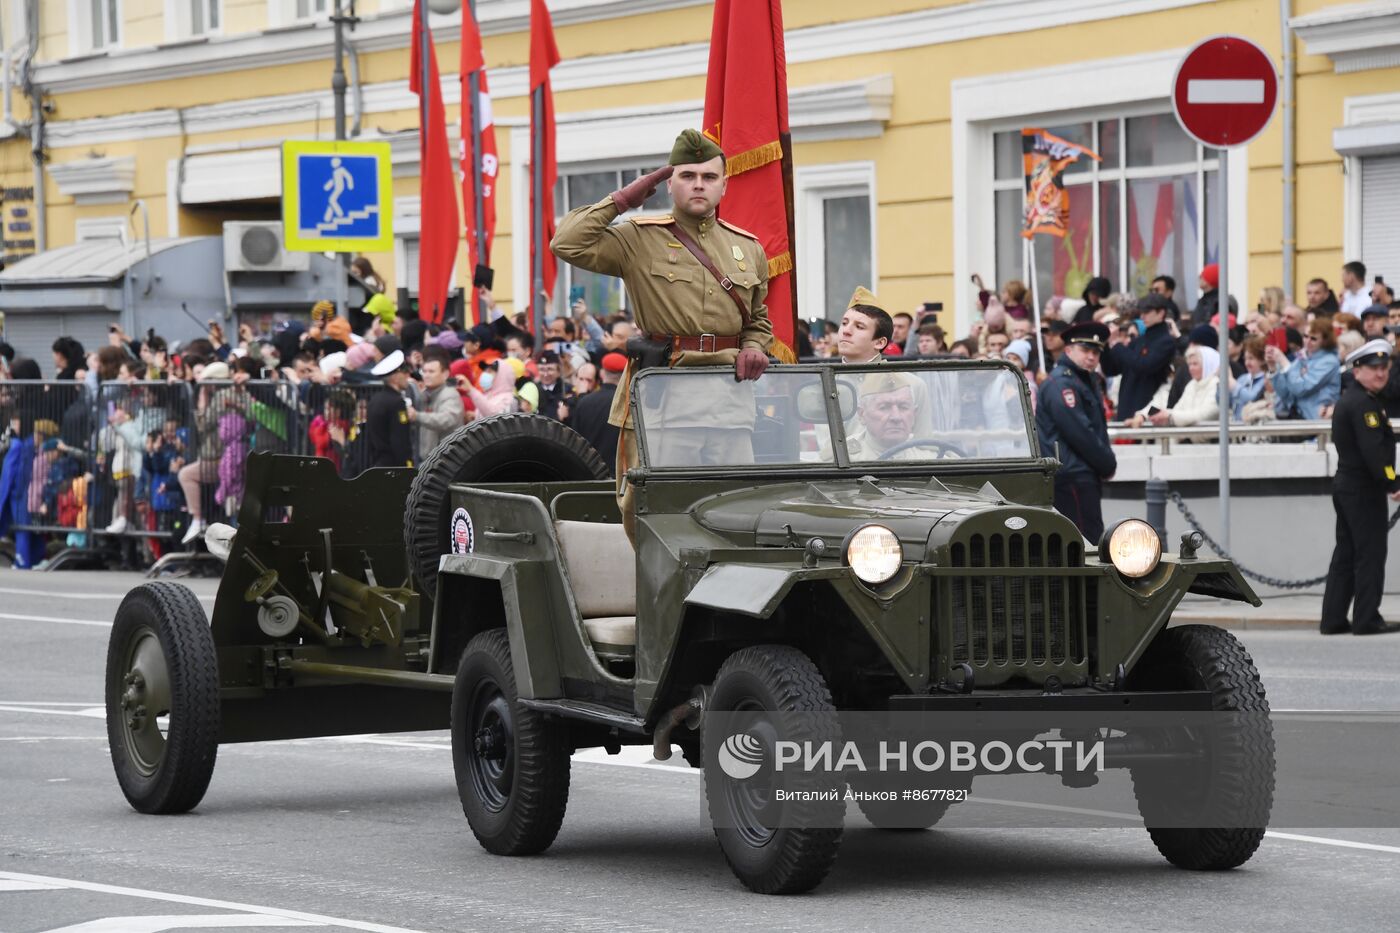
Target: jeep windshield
{"x": 838, "y": 416}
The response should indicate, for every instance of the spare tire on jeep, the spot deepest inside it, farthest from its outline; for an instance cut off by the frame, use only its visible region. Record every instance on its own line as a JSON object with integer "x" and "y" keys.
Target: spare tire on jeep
{"x": 511, "y": 448}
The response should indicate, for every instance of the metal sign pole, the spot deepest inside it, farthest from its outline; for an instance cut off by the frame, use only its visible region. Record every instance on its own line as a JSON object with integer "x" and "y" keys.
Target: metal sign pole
{"x": 338, "y": 83}
{"x": 1223, "y": 373}
{"x": 536, "y": 305}
{"x": 478, "y": 197}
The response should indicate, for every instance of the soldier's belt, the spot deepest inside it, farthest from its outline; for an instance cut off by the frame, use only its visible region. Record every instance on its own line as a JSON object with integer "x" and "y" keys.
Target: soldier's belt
{"x": 703, "y": 343}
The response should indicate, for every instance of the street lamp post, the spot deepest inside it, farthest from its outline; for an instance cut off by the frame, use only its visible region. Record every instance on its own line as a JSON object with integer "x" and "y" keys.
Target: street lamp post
{"x": 339, "y": 20}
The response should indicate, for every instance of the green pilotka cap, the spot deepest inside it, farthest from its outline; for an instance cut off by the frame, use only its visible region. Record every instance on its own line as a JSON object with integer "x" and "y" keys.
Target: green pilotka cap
{"x": 692, "y": 147}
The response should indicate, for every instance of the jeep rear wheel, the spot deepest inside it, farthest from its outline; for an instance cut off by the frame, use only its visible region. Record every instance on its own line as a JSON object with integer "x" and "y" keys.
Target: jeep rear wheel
{"x": 762, "y": 695}
{"x": 1237, "y": 778}
{"x": 162, "y": 693}
{"x": 511, "y": 763}
{"x": 514, "y": 448}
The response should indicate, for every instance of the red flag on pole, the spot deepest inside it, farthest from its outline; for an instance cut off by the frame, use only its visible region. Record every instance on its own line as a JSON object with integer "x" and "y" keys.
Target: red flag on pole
{"x": 544, "y": 55}
{"x": 437, "y": 238}
{"x": 746, "y": 112}
{"x": 474, "y": 62}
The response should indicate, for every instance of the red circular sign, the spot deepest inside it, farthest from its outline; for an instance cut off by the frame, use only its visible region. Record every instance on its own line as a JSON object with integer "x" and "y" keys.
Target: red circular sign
{"x": 1224, "y": 92}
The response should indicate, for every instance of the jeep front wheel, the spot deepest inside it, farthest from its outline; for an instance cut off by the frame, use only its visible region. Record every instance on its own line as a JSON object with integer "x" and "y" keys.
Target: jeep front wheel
{"x": 1236, "y": 775}
{"x": 762, "y": 695}
{"x": 512, "y": 764}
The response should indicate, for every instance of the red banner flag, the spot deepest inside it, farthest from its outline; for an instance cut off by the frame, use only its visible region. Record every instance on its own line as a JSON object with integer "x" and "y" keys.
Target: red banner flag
{"x": 1043, "y": 157}
{"x": 474, "y": 62}
{"x": 746, "y": 112}
{"x": 437, "y": 238}
{"x": 544, "y": 55}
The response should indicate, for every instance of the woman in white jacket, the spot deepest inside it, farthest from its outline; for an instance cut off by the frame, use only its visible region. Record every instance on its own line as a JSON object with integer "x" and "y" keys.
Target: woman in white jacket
{"x": 1199, "y": 402}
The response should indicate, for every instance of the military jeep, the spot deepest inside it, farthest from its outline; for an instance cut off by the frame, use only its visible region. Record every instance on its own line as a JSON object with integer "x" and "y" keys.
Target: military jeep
{"x": 825, "y": 539}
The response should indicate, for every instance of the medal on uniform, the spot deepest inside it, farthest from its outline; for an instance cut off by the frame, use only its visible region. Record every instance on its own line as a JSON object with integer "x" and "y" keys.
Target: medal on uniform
{"x": 738, "y": 253}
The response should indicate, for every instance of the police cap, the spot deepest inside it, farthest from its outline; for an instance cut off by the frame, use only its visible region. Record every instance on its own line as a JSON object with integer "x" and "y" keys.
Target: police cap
{"x": 1091, "y": 334}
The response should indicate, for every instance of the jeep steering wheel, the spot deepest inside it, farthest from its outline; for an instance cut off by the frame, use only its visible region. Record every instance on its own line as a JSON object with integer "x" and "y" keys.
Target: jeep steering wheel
{"x": 943, "y": 445}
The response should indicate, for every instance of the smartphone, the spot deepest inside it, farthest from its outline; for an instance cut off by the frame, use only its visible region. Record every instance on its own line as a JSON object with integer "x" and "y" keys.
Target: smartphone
{"x": 933, "y": 306}
{"x": 576, "y": 294}
{"x": 1278, "y": 337}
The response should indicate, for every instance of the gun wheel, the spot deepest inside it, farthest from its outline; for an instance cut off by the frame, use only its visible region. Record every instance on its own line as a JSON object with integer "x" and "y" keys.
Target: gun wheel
{"x": 772, "y": 846}
{"x": 162, "y": 697}
{"x": 511, "y": 763}
{"x": 1240, "y": 779}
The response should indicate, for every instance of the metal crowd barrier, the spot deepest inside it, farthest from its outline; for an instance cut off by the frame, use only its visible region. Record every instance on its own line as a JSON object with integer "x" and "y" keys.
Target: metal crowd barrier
{"x": 1316, "y": 433}
{"x": 106, "y": 465}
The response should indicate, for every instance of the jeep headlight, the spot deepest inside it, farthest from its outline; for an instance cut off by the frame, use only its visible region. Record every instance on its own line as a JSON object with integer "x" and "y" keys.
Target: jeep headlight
{"x": 1132, "y": 547}
{"x": 874, "y": 553}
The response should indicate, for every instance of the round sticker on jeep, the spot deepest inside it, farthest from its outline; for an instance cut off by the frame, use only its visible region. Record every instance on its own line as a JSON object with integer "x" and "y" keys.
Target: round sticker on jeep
{"x": 463, "y": 535}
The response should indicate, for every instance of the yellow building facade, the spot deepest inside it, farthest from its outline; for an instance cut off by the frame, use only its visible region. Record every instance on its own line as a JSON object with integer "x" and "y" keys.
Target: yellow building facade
{"x": 906, "y": 118}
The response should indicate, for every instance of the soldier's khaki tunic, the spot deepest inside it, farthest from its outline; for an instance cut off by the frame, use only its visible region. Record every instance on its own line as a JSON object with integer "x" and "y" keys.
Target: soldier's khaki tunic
{"x": 669, "y": 292}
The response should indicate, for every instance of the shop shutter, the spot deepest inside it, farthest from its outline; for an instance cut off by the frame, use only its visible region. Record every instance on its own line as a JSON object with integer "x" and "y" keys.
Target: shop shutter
{"x": 32, "y": 334}
{"x": 1380, "y": 208}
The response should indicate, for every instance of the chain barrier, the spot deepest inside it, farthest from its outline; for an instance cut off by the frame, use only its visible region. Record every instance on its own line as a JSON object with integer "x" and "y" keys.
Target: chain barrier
{"x": 1275, "y": 582}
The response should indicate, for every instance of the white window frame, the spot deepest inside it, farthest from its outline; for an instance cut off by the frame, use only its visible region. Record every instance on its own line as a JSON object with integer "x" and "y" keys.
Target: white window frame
{"x": 1086, "y": 89}
{"x": 179, "y": 19}
{"x": 1120, "y": 174}
{"x": 1370, "y": 126}
{"x": 408, "y": 225}
{"x": 284, "y": 12}
{"x": 111, "y": 227}
{"x": 812, "y": 186}
{"x": 80, "y": 32}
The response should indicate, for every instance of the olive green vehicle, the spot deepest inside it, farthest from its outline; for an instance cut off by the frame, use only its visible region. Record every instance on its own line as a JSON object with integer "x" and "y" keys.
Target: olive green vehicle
{"x": 826, "y": 539}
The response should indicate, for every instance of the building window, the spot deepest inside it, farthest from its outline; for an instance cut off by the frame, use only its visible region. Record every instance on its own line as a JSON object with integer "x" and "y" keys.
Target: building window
{"x": 406, "y": 264}
{"x": 1380, "y": 205}
{"x": 1134, "y": 216}
{"x": 306, "y": 9}
{"x": 99, "y": 25}
{"x": 204, "y": 16}
{"x": 835, "y": 237}
{"x": 604, "y": 294}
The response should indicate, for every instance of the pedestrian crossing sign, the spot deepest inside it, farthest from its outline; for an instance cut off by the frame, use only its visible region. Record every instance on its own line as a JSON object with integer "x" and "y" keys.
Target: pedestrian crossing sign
{"x": 336, "y": 197}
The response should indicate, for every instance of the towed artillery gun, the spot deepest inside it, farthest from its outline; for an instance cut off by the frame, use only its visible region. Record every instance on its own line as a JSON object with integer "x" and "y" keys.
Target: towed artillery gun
{"x": 824, "y": 540}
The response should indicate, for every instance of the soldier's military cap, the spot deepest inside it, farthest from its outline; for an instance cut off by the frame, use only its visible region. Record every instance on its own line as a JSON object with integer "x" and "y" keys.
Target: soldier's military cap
{"x": 863, "y": 296}
{"x": 1370, "y": 353}
{"x": 692, "y": 147}
{"x": 1091, "y": 334}
{"x": 1381, "y": 310}
{"x": 882, "y": 383}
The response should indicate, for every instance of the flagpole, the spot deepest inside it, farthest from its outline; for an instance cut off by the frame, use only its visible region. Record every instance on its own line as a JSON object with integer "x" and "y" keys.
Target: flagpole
{"x": 537, "y": 128}
{"x": 478, "y": 197}
{"x": 785, "y": 140}
{"x": 338, "y": 85}
{"x": 1035, "y": 305}
{"x": 423, "y": 111}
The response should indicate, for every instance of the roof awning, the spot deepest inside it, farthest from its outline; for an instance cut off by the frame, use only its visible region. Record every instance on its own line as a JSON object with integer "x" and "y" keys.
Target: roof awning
{"x": 94, "y": 261}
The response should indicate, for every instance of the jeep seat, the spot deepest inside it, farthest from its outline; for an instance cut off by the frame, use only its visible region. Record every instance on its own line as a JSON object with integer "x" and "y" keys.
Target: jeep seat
{"x": 602, "y": 571}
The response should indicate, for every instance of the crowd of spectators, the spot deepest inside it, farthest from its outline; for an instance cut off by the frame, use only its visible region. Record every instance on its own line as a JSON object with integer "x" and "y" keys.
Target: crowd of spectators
{"x": 147, "y": 438}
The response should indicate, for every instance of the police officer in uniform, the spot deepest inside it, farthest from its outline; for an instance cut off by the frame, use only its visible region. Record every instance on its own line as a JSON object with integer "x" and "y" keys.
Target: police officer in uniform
{"x": 707, "y": 313}
{"x": 386, "y": 422}
{"x": 1365, "y": 475}
{"x": 1071, "y": 423}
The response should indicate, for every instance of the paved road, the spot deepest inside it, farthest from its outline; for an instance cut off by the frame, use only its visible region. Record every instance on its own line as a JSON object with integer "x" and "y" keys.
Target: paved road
{"x": 366, "y": 833}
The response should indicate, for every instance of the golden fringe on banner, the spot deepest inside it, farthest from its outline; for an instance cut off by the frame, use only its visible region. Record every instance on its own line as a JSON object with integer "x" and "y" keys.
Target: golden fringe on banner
{"x": 780, "y": 264}
{"x": 754, "y": 158}
{"x": 782, "y": 352}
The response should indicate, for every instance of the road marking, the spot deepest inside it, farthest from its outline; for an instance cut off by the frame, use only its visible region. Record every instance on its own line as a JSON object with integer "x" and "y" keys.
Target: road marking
{"x": 55, "y": 620}
{"x": 302, "y": 917}
{"x": 1225, "y": 91}
{"x": 95, "y": 712}
{"x": 26, "y": 886}
{"x": 53, "y": 595}
{"x": 157, "y": 924}
{"x": 53, "y": 738}
{"x": 1339, "y": 843}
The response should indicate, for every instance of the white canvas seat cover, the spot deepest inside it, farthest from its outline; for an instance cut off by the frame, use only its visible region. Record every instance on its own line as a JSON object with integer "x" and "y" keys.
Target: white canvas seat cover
{"x": 602, "y": 570}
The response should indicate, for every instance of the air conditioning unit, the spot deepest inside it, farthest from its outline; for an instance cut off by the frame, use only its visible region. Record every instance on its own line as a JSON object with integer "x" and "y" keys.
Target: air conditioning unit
{"x": 257, "y": 246}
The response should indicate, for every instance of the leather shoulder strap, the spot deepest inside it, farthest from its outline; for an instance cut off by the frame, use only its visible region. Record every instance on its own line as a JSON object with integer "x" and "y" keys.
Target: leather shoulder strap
{"x": 704, "y": 260}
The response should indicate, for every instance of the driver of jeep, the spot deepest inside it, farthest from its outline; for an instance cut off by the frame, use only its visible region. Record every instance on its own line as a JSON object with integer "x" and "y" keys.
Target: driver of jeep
{"x": 891, "y": 410}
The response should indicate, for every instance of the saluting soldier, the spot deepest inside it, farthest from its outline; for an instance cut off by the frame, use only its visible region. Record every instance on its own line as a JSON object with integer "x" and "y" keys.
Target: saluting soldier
{"x": 1072, "y": 426}
{"x": 1365, "y": 475}
{"x": 696, "y": 285}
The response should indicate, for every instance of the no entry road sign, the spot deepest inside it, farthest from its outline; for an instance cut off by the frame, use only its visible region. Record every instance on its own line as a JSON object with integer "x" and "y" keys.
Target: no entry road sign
{"x": 1225, "y": 91}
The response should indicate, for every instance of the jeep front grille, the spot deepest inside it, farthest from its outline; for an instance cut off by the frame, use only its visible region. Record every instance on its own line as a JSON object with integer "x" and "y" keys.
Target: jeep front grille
{"x": 1019, "y": 620}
